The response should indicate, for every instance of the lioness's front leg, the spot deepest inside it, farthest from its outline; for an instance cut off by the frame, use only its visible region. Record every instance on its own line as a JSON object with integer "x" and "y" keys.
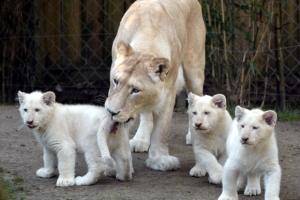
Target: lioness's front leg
{"x": 50, "y": 164}
{"x": 141, "y": 141}
{"x": 159, "y": 158}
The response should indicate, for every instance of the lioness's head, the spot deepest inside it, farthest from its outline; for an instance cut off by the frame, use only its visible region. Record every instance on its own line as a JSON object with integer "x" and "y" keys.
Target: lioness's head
{"x": 136, "y": 83}
{"x": 254, "y": 126}
{"x": 36, "y": 108}
{"x": 206, "y": 112}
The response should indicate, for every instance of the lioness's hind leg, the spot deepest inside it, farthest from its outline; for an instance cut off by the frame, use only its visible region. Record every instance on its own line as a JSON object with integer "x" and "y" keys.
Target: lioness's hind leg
{"x": 95, "y": 168}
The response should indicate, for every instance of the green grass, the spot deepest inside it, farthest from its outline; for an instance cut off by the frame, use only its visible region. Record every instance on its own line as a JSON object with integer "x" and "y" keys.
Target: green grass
{"x": 8, "y": 189}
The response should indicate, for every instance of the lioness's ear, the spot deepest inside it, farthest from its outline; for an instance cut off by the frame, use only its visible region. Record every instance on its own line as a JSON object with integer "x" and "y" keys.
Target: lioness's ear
{"x": 123, "y": 49}
{"x": 21, "y": 97}
{"x": 270, "y": 117}
{"x": 239, "y": 113}
{"x": 219, "y": 100}
{"x": 191, "y": 99}
{"x": 161, "y": 67}
{"x": 49, "y": 98}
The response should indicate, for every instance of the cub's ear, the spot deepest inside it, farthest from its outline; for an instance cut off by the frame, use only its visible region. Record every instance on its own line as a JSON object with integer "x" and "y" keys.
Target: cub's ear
{"x": 161, "y": 67}
{"x": 191, "y": 99}
{"x": 270, "y": 117}
{"x": 239, "y": 113}
{"x": 219, "y": 100}
{"x": 49, "y": 98}
{"x": 123, "y": 49}
{"x": 21, "y": 97}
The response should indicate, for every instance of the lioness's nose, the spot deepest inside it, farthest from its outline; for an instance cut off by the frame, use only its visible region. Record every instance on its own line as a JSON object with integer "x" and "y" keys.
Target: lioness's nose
{"x": 112, "y": 113}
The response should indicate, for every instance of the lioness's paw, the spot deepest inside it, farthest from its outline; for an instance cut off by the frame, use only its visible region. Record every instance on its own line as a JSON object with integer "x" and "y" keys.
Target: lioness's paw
{"x": 163, "y": 163}
{"x": 197, "y": 172}
{"x": 64, "y": 182}
{"x": 216, "y": 178}
{"x": 45, "y": 172}
{"x": 124, "y": 177}
{"x": 252, "y": 191}
{"x": 139, "y": 146}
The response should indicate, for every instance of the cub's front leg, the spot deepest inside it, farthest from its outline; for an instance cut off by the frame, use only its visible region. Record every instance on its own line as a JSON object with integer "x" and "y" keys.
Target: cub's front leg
{"x": 141, "y": 140}
{"x": 229, "y": 183}
{"x": 66, "y": 165}
{"x": 272, "y": 183}
{"x": 50, "y": 164}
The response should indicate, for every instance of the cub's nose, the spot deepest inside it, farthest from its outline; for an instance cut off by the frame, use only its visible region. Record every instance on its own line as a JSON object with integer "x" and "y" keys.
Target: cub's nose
{"x": 29, "y": 122}
{"x": 112, "y": 113}
{"x": 245, "y": 139}
{"x": 198, "y": 125}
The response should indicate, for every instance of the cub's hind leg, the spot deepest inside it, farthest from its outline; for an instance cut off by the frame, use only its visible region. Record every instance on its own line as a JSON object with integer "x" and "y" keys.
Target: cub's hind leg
{"x": 95, "y": 165}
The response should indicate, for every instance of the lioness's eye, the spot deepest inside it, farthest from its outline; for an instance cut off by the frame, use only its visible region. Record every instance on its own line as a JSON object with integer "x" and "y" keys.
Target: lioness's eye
{"x": 25, "y": 110}
{"x": 242, "y": 126}
{"x": 195, "y": 113}
{"x": 135, "y": 90}
{"x": 116, "y": 81}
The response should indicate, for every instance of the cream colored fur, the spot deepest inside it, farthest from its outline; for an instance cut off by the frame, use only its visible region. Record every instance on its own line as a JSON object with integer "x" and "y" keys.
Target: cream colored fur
{"x": 64, "y": 129}
{"x": 159, "y": 47}
{"x": 209, "y": 124}
{"x": 252, "y": 154}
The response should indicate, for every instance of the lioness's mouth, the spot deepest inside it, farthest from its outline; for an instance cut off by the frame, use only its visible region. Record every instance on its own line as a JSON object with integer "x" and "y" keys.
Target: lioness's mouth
{"x": 114, "y": 125}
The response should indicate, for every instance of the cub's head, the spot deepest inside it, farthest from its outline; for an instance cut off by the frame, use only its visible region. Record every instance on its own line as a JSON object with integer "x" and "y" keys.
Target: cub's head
{"x": 254, "y": 126}
{"x": 136, "y": 83}
{"x": 36, "y": 108}
{"x": 206, "y": 112}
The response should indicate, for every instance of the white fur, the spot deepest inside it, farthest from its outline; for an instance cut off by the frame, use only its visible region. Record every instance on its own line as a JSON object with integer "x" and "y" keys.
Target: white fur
{"x": 209, "y": 123}
{"x": 252, "y": 153}
{"x": 64, "y": 129}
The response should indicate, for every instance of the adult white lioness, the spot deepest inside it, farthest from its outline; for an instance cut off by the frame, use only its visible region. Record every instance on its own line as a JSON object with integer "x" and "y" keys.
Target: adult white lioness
{"x": 64, "y": 129}
{"x": 159, "y": 45}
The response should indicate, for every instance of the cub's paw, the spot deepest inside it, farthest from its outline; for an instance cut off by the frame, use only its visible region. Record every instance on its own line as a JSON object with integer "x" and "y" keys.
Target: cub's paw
{"x": 124, "y": 177}
{"x": 45, "y": 172}
{"x": 227, "y": 197}
{"x": 252, "y": 191}
{"x": 84, "y": 180}
{"x": 139, "y": 146}
{"x": 110, "y": 162}
{"x": 215, "y": 178}
{"x": 110, "y": 171}
{"x": 64, "y": 182}
{"x": 188, "y": 138}
{"x": 197, "y": 172}
{"x": 163, "y": 163}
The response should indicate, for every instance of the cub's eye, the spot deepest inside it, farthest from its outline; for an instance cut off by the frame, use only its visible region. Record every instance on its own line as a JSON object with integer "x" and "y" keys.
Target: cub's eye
{"x": 116, "y": 81}
{"x": 254, "y": 127}
{"x": 242, "y": 126}
{"x": 195, "y": 113}
{"x": 25, "y": 110}
{"x": 206, "y": 113}
{"x": 36, "y": 110}
{"x": 135, "y": 90}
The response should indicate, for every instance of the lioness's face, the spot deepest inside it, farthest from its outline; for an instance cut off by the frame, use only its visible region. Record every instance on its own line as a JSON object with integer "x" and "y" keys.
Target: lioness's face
{"x": 255, "y": 126}
{"x": 136, "y": 84}
{"x": 34, "y": 109}
{"x": 206, "y": 112}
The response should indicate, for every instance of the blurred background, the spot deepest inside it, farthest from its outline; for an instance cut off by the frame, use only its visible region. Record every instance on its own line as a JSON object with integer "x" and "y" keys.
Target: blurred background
{"x": 252, "y": 50}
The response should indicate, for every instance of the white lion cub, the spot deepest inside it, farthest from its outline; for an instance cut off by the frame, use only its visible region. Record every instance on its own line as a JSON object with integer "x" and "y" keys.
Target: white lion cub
{"x": 252, "y": 153}
{"x": 64, "y": 129}
{"x": 209, "y": 123}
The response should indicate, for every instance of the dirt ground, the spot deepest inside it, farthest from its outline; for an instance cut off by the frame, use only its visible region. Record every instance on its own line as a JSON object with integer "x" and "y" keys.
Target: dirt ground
{"x": 21, "y": 156}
